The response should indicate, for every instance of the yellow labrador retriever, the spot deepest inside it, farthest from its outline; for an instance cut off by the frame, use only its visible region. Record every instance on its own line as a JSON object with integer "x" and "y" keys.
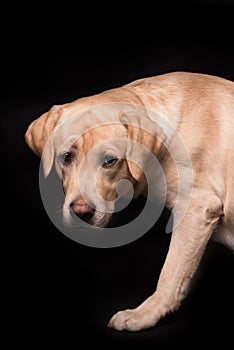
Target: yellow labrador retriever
{"x": 196, "y": 110}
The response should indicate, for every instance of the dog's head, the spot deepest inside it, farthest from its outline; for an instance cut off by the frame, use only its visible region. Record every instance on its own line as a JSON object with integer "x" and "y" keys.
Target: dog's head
{"x": 93, "y": 150}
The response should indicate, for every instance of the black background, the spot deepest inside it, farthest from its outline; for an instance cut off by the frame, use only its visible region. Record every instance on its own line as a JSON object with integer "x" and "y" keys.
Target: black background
{"x": 55, "y": 53}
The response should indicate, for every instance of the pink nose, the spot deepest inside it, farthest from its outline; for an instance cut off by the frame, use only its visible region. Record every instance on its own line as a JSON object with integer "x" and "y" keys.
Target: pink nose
{"x": 82, "y": 209}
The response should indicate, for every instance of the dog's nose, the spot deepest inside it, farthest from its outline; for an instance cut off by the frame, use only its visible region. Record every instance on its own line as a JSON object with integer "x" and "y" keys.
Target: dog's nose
{"x": 84, "y": 211}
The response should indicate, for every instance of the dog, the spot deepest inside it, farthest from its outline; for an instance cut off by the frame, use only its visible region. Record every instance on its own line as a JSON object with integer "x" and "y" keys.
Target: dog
{"x": 189, "y": 112}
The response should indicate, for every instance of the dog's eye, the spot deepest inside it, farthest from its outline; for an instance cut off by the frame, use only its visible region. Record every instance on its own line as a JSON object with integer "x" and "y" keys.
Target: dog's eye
{"x": 66, "y": 158}
{"x": 109, "y": 161}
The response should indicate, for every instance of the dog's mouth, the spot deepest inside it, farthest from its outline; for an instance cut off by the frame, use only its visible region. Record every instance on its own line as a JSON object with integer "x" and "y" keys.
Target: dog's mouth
{"x": 80, "y": 213}
{"x": 84, "y": 215}
{"x": 90, "y": 219}
{"x": 86, "y": 218}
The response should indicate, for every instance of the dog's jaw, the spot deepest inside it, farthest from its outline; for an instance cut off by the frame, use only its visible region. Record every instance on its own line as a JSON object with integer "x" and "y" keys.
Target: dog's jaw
{"x": 99, "y": 219}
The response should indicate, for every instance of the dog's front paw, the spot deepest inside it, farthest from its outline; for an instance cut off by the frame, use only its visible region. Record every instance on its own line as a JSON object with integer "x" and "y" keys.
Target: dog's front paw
{"x": 131, "y": 320}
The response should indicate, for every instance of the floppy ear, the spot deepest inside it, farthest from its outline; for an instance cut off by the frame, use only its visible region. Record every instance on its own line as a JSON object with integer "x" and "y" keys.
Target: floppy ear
{"x": 38, "y": 135}
{"x": 143, "y": 131}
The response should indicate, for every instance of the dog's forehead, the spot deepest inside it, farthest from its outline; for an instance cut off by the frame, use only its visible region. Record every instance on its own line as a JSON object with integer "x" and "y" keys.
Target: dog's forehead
{"x": 89, "y": 128}
{"x": 105, "y": 131}
{"x": 102, "y": 137}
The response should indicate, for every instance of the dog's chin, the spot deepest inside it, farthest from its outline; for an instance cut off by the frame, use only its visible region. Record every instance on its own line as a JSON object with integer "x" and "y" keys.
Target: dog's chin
{"x": 98, "y": 220}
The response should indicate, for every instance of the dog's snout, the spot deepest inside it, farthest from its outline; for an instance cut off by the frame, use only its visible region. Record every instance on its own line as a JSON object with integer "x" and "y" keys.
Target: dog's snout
{"x": 82, "y": 209}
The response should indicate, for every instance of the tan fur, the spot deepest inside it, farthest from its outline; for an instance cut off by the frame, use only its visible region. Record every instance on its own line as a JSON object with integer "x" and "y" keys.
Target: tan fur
{"x": 200, "y": 108}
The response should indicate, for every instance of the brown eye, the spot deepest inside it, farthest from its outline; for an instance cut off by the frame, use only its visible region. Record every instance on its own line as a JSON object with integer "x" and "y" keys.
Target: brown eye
{"x": 109, "y": 161}
{"x": 66, "y": 158}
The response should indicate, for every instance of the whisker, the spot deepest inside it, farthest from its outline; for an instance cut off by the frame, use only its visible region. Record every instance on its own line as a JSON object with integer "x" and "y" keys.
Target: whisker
{"x": 59, "y": 209}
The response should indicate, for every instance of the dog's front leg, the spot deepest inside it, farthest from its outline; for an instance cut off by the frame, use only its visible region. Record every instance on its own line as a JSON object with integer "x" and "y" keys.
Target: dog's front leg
{"x": 187, "y": 246}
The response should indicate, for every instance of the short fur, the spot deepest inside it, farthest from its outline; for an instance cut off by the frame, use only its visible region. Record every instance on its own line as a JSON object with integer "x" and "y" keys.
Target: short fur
{"x": 200, "y": 108}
